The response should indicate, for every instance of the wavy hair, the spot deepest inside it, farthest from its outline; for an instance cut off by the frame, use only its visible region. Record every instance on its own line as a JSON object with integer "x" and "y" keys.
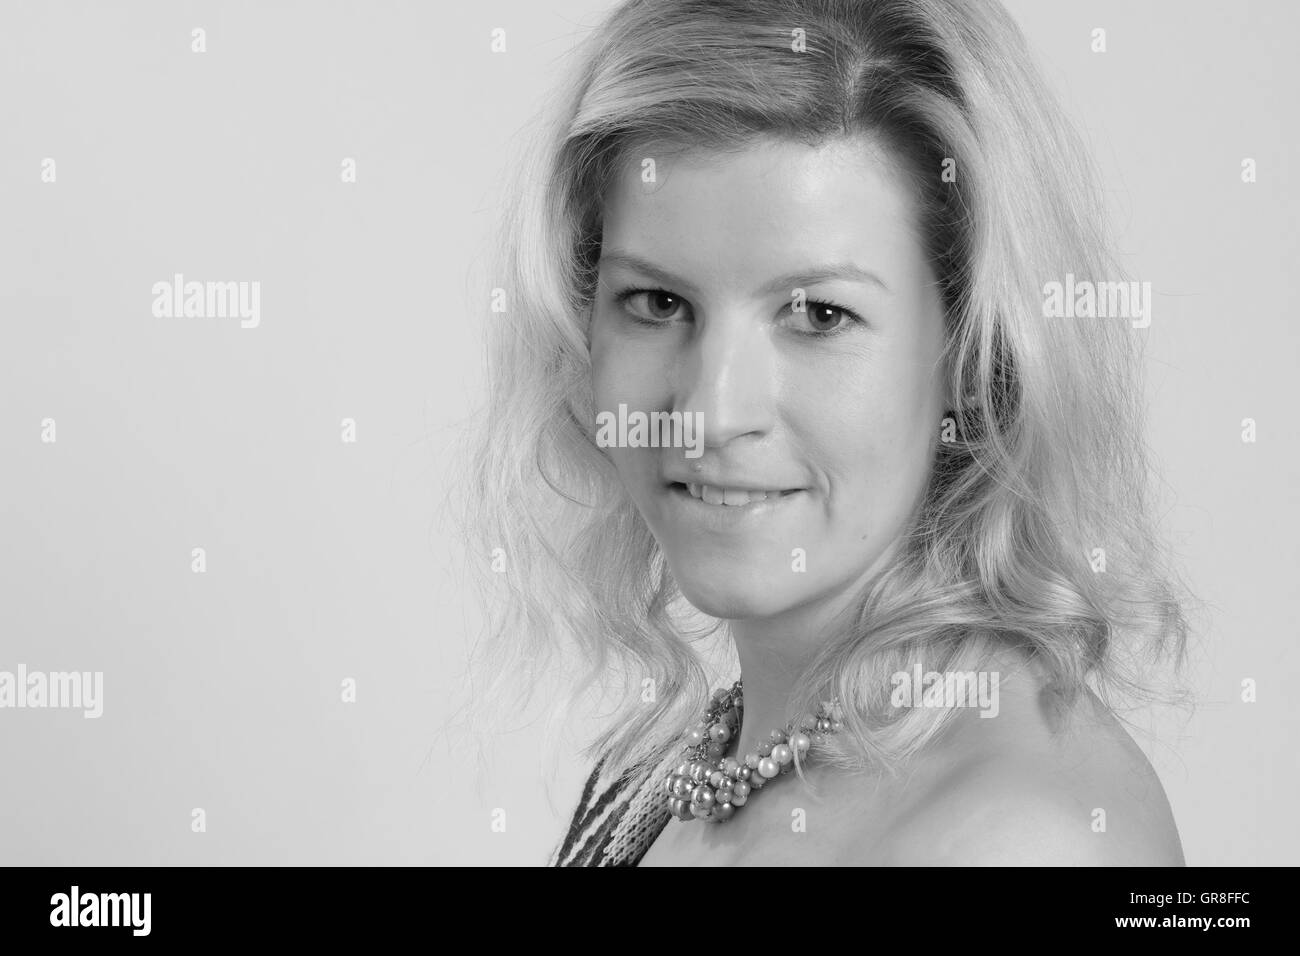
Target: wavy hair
{"x": 1050, "y": 460}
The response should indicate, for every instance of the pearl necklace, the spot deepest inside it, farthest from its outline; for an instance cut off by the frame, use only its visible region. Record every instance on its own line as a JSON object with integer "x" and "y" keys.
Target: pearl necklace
{"x": 707, "y": 786}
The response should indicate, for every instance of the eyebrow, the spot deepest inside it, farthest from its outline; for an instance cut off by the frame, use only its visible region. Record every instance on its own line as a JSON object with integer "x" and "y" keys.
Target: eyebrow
{"x": 845, "y": 271}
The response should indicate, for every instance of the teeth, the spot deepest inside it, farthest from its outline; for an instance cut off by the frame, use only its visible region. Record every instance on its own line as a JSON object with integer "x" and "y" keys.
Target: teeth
{"x": 731, "y": 497}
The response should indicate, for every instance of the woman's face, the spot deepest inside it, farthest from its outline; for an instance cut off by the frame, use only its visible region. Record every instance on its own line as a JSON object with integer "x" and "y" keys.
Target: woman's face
{"x": 819, "y": 425}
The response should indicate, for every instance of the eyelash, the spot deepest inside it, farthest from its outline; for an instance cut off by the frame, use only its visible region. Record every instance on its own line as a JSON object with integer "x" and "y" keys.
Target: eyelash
{"x": 853, "y": 317}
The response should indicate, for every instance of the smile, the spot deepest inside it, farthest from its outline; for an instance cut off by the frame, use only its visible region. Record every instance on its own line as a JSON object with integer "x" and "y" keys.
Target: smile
{"x": 732, "y": 497}
{"x": 726, "y": 509}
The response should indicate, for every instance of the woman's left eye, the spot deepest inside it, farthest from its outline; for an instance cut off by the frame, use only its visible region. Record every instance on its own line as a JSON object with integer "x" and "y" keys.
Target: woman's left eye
{"x": 823, "y": 318}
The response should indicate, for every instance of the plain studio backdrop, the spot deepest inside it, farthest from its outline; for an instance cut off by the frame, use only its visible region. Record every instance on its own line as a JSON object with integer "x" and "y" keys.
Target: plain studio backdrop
{"x": 327, "y": 561}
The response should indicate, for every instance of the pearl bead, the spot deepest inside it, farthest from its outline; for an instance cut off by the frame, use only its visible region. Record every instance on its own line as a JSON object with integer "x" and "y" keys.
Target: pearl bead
{"x": 751, "y": 761}
{"x": 757, "y": 780}
{"x": 682, "y": 788}
{"x": 778, "y": 736}
{"x": 744, "y": 773}
{"x": 730, "y": 766}
{"x": 782, "y": 754}
{"x": 739, "y": 789}
{"x": 715, "y": 779}
{"x": 683, "y": 769}
{"x": 699, "y": 812}
{"x": 801, "y": 742}
{"x": 807, "y": 722}
{"x": 720, "y": 733}
{"x": 738, "y": 801}
{"x": 724, "y": 811}
{"x": 702, "y": 796}
{"x": 695, "y": 736}
{"x": 699, "y": 772}
{"x": 837, "y": 726}
{"x": 768, "y": 767}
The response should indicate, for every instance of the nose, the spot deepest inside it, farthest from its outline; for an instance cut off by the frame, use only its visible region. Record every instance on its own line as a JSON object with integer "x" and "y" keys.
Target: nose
{"x": 727, "y": 375}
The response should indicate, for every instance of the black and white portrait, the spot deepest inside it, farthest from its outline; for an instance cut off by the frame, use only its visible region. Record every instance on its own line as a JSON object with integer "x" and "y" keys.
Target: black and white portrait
{"x": 743, "y": 433}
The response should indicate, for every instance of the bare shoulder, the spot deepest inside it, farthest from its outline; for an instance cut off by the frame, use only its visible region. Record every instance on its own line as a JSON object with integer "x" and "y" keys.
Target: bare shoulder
{"x": 1008, "y": 814}
{"x": 1030, "y": 791}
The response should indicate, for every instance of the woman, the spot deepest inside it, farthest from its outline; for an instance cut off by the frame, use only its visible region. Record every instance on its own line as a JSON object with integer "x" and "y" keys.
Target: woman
{"x": 916, "y": 507}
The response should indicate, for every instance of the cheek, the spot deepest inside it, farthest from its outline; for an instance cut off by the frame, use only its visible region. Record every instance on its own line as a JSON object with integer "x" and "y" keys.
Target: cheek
{"x": 873, "y": 435}
{"x": 603, "y": 373}
{"x": 626, "y": 371}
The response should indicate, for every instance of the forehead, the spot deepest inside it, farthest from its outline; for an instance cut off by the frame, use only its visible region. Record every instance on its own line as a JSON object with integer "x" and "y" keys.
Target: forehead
{"x": 750, "y": 214}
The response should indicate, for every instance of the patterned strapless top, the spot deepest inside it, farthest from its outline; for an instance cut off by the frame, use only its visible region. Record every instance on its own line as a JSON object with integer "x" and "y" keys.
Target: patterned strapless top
{"x": 618, "y": 816}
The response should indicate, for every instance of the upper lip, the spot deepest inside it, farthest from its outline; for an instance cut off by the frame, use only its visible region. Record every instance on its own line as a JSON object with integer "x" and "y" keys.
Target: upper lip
{"x": 723, "y": 481}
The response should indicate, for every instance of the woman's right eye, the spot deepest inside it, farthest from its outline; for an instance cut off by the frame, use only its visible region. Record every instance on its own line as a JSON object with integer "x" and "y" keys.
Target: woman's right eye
{"x": 657, "y": 306}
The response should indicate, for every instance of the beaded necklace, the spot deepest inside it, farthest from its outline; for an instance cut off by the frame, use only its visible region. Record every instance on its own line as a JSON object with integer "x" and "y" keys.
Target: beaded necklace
{"x": 708, "y": 786}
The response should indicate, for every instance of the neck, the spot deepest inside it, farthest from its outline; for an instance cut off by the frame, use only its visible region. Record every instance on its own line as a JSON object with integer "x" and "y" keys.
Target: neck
{"x": 773, "y": 652}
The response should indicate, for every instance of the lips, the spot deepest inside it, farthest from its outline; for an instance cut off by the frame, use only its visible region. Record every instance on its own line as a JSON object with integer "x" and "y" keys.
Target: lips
{"x": 729, "y": 496}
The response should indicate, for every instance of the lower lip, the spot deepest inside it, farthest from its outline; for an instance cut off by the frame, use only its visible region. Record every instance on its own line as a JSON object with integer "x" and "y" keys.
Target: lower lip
{"x": 729, "y": 516}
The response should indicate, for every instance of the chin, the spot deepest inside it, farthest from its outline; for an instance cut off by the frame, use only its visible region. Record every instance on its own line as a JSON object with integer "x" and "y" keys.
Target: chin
{"x": 733, "y": 594}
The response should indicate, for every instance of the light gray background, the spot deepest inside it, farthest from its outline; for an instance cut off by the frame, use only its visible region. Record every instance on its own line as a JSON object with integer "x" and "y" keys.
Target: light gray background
{"x": 328, "y": 560}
